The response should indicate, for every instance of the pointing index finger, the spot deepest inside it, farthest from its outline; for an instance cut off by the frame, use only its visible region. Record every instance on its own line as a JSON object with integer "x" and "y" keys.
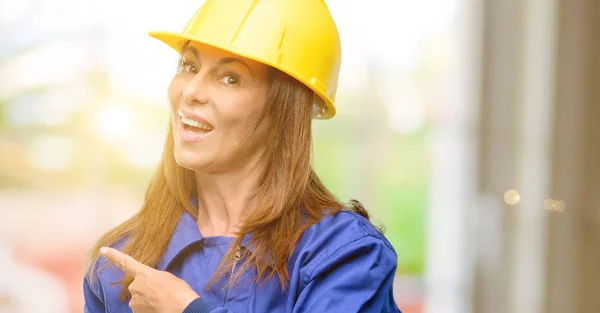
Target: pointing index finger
{"x": 127, "y": 263}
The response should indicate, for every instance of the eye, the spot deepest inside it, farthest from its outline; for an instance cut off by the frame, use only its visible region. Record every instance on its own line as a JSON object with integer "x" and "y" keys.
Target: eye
{"x": 187, "y": 67}
{"x": 230, "y": 79}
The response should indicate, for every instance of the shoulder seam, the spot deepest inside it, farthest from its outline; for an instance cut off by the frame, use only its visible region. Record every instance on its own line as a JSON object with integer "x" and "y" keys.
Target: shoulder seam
{"x": 362, "y": 224}
{"x": 322, "y": 259}
{"x": 311, "y": 276}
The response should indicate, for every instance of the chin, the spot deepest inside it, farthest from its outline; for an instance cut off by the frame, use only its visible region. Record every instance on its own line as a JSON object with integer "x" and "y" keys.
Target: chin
{"x": 190, "y": 160}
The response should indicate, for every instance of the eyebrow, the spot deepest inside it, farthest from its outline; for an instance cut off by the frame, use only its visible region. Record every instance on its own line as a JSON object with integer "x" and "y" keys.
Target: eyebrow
{"x": 190, "y": 48}
{"x": 226, "y": 60}
{"x": 234, "y": 60}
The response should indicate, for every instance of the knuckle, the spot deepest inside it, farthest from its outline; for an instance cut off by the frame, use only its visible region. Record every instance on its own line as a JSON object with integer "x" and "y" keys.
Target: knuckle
{"x": 133, "y": 287}
{"x": 133, "y": 303}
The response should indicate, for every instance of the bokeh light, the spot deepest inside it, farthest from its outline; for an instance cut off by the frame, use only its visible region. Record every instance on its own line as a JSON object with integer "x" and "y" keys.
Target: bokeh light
{"x": 512, "y": 197}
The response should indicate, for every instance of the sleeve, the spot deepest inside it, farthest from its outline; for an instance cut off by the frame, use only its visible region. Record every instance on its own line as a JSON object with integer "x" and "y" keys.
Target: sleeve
{"x": 198, "y": 306}
{"x": 357, "y": 277}
{"x": 93, "y": 302}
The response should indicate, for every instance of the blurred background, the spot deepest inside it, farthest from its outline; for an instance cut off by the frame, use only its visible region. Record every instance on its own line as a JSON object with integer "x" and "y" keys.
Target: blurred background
{"x": 469, "y": 128}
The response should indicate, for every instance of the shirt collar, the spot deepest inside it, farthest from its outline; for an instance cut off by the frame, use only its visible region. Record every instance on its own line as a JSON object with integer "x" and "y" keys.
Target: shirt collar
{"x": 186, "y": 234}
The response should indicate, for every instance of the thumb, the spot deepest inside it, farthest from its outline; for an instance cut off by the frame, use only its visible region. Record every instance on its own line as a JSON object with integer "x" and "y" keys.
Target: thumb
{"x": 127, "y": 263}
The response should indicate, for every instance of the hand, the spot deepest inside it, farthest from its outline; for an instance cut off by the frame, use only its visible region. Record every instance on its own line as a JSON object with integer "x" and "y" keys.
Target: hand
{"x": 152, "y": 291}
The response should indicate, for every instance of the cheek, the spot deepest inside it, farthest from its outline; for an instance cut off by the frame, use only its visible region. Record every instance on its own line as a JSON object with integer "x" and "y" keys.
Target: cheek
{"x": 239, "y": 116}
{"x": 175, "y": 90}
{"x": 237, "y": 122}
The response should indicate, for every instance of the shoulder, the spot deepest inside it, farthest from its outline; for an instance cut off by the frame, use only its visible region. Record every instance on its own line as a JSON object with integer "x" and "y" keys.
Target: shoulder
{"x": 344, "y": 237}
{"x": 345, "y": 227}
{"x": 100, "y": 277}
{"x": 351, "y": 222}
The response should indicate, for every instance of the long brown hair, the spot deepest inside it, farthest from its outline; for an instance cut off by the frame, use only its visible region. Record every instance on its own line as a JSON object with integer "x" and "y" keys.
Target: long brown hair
{"x": 289, "y": 192}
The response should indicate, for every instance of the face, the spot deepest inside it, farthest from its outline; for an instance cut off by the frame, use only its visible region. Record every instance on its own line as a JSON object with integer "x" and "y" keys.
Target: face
{"x": 216, "y": 98}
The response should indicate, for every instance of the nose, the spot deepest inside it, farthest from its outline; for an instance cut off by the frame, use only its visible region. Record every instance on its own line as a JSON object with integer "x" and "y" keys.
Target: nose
{"x": 196, "y": 91}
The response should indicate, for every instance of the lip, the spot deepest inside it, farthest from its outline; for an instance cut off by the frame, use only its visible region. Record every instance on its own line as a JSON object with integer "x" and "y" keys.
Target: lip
{"x": 194, "y": 116}
{"x": 187, "y": 136}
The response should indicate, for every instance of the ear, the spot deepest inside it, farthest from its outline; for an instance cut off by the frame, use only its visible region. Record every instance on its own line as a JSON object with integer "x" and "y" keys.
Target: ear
{"x": 318, "y": 107}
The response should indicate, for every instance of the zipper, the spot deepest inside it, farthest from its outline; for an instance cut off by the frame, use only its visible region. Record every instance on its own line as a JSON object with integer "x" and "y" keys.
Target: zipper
{"x": 236, "y": 258}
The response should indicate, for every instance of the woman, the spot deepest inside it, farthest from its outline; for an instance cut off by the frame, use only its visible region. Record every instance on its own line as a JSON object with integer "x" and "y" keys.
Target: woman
{"x": 235, "y": 219}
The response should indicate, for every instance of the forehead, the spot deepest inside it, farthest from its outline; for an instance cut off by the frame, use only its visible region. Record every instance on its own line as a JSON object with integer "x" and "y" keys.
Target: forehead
{"x": 211, "y": 53}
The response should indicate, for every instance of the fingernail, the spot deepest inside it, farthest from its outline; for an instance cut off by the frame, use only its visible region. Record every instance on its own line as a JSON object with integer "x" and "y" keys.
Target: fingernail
{"x": 103, "y": 250}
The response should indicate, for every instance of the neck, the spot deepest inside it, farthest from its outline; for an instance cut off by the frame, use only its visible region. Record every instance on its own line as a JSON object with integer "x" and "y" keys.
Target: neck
{"x": 223, "y": 200}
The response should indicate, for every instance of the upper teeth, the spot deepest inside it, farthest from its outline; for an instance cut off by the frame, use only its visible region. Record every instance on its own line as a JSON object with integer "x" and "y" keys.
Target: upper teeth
{"x": 191, "y": 122}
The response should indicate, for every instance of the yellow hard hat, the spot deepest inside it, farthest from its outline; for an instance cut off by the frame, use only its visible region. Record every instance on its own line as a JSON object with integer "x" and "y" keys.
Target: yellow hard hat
{"x": 298, "y": 37}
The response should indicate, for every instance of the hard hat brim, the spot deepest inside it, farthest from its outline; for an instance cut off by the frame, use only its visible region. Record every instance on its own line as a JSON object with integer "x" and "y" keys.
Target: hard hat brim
{"x": 176, "y": 41}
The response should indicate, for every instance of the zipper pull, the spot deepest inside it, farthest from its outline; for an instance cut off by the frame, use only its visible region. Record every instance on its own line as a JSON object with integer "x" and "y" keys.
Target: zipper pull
{"x": 238, "y": 254}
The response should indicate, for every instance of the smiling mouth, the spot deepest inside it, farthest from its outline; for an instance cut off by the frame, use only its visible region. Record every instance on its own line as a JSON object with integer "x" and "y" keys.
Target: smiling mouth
{"x": 194, "y": 126}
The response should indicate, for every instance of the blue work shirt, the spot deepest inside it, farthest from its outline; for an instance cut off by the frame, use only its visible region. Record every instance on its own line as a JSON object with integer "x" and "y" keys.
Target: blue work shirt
{"x": 340, "y": 264}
